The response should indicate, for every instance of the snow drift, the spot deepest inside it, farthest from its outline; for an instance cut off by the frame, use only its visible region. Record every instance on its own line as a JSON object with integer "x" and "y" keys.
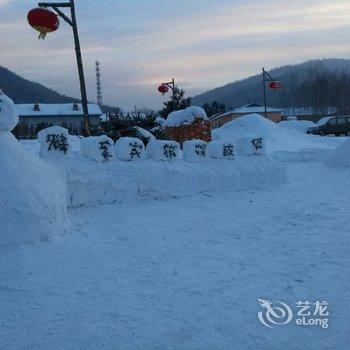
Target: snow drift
{"x": 341, "y": 155}
{"x": 298, "y": 125}
{"x": 277, "y": 137}
{"x": 33, "y": 198}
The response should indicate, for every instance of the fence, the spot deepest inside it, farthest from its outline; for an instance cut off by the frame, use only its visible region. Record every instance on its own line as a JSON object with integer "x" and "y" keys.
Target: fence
{"x": 198, "y": 130}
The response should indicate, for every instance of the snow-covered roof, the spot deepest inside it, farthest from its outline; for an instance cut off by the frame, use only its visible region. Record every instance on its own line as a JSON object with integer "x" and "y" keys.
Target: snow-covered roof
{"x": 61, "y": 109}
{"x": 250, "y": 108}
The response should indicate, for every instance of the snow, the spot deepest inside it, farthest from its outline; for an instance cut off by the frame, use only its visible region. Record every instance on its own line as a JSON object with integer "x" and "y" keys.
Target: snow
{"x": 323, "y": 121}
{"x": 299, "y": 125}
{"x": 277, "y": 138}
{"x": 8, "y": 115}
{"x": 195, "y": 150}
{"x": 98, "y": 148}
{"x": 144, "y": 134}
{"x": 92, "y": 184}
{"x": 56, "y": 109}
{"x": 341, "y": 155}
{"x": 251, "y": 145}
{"x": 164, "y": 150}
{"x": 33, "y": 197}
{"x": 175, "y": 255}
{"x": 185, "y": 116}
{"x": 222, "y": 149}
{"x": 129, "y": 148}
{"x": 186, "y": 273}
{"x": 54, "y": 143}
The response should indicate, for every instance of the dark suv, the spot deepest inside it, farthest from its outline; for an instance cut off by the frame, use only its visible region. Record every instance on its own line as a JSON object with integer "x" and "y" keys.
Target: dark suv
{"x": 331, "y": 125}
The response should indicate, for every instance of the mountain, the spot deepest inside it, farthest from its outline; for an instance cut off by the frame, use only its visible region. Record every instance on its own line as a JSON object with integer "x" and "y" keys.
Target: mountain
{"x": 311, "y": 83}
{"x": 26, "y": 91}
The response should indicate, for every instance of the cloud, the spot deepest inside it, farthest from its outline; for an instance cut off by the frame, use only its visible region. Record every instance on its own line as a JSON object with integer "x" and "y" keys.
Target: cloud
{"x": 203, "y": 44}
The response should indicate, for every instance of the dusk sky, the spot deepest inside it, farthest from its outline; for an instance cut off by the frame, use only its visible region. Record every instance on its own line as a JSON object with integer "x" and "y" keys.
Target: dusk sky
{"x": 202, "y": 44}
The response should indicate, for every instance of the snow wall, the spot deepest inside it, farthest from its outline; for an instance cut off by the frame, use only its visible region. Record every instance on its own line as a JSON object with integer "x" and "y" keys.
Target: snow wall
{"x": 33, "y": 197}
{"x": 92, "y": 183}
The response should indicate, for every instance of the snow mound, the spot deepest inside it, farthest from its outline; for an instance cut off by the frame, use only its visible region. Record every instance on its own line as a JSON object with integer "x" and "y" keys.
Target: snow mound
{"x": 55, "y": 143}
{"x": 195, "y": 150}
{"x": 277, "y": 137}
{"x": 33, "y": 198}
{"x": 8, "y": 113}
{"x": 98, "y": 148}
{"x": 163, "y": 150}
{"x": 222, "y": 149}
{"x": 341, "y": 155}
{"x": 299, "y": 125}
{"x": 129, "y": 148}
{"x": 186, "y": 116}
{"x": 251, "y": 145}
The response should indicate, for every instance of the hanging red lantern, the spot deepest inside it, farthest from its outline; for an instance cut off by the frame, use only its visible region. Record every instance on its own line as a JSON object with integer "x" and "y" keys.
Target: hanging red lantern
{"x": 275, "y": 85}
{"x": 163, "y": 89}
{"x": 43, "y": 20}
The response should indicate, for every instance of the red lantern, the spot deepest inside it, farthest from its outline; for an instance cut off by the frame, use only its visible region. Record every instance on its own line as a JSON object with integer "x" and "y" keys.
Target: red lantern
{"x": 43, "y": 20}
{"x": 163, "y": 89}
{"x": 275, "y": 85}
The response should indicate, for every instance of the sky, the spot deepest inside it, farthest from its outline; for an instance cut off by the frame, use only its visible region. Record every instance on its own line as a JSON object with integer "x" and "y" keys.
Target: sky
{"x": 202, "y": 44}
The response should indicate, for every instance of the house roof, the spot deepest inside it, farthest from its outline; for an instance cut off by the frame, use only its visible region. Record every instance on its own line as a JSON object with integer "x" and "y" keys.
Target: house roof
{"x": 248, "y": 109}
{"x": 62, "y": 109}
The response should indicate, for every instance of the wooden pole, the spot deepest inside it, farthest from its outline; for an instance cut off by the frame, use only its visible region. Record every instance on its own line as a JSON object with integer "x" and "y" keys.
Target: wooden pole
{"x": 73, "y": 23}
{"x": 264, "y": 89}
{"x": 84, "y": 100}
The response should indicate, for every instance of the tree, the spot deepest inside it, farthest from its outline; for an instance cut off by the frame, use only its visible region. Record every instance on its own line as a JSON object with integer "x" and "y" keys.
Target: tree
{"x": 214, "y": 108}
{"x": 176, "y": 102}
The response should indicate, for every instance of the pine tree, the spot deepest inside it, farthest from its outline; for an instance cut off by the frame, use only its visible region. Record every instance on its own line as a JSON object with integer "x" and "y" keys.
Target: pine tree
{"x": 176, "y": 102}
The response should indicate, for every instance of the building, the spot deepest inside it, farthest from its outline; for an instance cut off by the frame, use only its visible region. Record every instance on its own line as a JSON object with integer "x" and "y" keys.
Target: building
{"x": 309, "y": 113}
{"x": 34, "y": 117}
{"x": 274, "y": 114}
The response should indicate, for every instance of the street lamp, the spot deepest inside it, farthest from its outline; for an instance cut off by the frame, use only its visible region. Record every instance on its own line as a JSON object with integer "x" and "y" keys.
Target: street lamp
{"x": 72, "y": 21}
{"x": 164, "y": 88}
{"x": 273, "y": 84}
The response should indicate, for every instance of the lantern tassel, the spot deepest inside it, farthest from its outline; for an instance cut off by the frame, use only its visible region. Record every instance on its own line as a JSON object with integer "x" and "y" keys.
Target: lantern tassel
{"x": 42, "y": 36}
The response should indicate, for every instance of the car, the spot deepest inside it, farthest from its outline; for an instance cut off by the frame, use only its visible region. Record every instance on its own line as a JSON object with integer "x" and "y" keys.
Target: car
{"x": 331, "y": 125}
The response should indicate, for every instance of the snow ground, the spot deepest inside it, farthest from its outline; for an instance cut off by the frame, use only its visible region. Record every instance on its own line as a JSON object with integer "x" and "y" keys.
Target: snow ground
{"x": 187, "y": 273}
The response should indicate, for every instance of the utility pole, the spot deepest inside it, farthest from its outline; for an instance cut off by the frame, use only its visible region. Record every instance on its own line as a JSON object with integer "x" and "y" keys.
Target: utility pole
{"x": 73, "y": 23}
{"x": 274, "y": 84}
{"x": 264, "y": 87}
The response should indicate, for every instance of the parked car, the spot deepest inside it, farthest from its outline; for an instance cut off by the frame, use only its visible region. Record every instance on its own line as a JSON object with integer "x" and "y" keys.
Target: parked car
{"x": 331, "y": 125}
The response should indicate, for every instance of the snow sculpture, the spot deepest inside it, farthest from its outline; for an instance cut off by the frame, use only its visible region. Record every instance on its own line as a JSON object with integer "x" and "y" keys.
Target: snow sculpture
{"x": 54, "y": 142}
{"x": 97, "y": 148}
{"x": 8, "y": 114}
{"x": 164, "y": 150}
{"x": 222, "y": 149}
{"x": 251, "y": 145}
{"x": 129, "y": 148}
{"x": 195, "y": 150}
{"x": 33, "y": 198}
